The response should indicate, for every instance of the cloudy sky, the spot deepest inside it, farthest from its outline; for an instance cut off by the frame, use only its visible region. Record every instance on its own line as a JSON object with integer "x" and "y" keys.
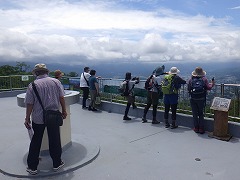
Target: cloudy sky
{"x": 79, "y": 31}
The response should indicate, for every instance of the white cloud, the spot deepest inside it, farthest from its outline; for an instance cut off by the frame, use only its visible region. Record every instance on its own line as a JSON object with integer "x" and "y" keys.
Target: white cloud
{"x": 99, "y": 31}
{"x": 237, "y": 7}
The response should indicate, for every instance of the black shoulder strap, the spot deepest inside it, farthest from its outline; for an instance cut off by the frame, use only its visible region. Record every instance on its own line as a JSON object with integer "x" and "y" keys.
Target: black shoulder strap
{"x": 36, "y": 92}
{"x": 86, "y": 79}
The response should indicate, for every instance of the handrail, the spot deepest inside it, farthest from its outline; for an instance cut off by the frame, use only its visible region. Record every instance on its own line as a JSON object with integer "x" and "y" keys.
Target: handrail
{"x": 232, "y": 91}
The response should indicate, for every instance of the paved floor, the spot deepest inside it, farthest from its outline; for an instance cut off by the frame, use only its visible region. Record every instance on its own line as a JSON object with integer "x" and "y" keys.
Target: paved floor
{"x": 129, "y": 150}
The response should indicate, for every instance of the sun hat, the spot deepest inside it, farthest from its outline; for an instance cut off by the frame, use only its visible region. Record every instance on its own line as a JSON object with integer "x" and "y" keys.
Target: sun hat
{"x": 174, "y": 70}
{"x": 159, "y": 70}
{"x": 58, "y": 73}
{"x": 40, "y": 67}
{"x": 198, "y": 72}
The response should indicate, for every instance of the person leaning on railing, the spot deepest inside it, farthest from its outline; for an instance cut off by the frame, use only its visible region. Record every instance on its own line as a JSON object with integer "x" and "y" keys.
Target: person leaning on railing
{"x": 197, "y": 88}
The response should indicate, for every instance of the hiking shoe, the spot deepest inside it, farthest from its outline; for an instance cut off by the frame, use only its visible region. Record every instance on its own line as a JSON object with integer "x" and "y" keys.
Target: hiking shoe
{"x": 84, "y": 107}
{"x": 59, "y": 167}
{"x": 144, "y": 120}
{"x": 155, "y": 122}
{"x": 31, "y": 171}
{"x": 201, "y": 131}
{"x": 196, "y": 130}
{"x": 126, "y": 118}
{"x": 167, "y": 125}
{"x": 174, "y": 126}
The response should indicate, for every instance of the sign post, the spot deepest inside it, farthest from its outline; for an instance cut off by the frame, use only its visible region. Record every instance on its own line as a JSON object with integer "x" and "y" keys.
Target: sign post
{"x": 25, "y": 78}
{"x": 220, "y": 107}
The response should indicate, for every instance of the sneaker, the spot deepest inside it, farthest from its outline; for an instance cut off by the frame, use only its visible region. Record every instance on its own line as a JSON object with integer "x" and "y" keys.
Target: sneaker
{"x": 201, "y": 131}
{"x": 126, "y": 118}
{"x": 94, "y": 109}
{"x": 84, "y": 107}
{"x": 155, "y": 122}
{"x": 59, "y": 167}
{"x": 174, "y": 126}
{"x": 89, "y": 108}
{"x": 196, "y": 130}
{"x": 144, "y": 120}
{"x": 31, "y": 171}
{"x": 167, "y": 125}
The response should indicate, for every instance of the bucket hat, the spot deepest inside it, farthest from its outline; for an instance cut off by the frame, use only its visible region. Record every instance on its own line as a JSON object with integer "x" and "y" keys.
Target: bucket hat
{"x": 198, "y": 72}
{"x": 174, "y": 70}
{"x": 40, "y": 67}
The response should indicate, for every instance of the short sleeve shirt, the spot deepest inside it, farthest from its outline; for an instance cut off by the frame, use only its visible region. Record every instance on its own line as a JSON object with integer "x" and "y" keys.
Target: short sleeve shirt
{"x": 50, "y": 90}
{"x": 92, "y": 81}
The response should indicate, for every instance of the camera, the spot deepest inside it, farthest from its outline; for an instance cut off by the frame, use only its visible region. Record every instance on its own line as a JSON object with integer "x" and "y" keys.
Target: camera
{"x": 136, "y": 79}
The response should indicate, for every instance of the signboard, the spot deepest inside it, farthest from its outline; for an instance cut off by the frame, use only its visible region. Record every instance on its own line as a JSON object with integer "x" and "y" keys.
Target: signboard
{"x": 25, "y": 78}
{"x": 220, "y": 104}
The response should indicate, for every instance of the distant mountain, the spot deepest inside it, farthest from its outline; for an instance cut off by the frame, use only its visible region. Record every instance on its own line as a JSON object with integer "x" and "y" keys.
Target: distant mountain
{"x": 222, "y": 71}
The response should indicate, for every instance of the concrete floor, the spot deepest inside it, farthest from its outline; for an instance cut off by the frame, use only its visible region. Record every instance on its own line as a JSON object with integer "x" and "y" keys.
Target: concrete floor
{"x": 128, "y": 150}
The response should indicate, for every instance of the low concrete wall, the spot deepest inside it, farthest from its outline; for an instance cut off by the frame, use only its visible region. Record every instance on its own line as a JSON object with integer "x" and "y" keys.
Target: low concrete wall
{"x": 182, "y": 119}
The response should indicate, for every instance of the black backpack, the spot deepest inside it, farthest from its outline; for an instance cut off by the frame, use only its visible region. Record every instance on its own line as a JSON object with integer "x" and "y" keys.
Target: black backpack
{"x": 197, "y": 86}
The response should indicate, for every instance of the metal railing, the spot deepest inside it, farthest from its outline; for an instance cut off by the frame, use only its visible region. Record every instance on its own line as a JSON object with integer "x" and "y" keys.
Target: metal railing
{"x": 109, "y": 91}
{"x": 15, "y": 82}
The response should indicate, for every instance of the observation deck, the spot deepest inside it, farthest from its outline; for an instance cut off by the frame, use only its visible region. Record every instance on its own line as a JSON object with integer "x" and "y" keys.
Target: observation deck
{"x": 129, "y": 149}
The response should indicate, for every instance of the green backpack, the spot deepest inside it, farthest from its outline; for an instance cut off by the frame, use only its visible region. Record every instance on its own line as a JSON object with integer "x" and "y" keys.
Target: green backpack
{"x": 168, "y": 85}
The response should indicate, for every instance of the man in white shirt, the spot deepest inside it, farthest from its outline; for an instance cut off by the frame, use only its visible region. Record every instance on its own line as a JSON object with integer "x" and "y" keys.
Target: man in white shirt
{"x": 84, "y": 85}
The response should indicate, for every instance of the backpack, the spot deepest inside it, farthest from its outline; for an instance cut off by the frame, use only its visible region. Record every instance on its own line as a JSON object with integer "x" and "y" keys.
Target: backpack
{"x": 197, "y": 86}
{"x": 124, "y": 88}
{"x": 168, "y": 85}
{"x": 147, "y": 84}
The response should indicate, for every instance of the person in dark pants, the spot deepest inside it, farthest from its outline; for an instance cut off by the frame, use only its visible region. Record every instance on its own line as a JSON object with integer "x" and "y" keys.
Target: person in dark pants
{"x": 51, "y": 94}
{"x": 84, "y": 86}
{"x": 171, "y": 99}
{"x": 153, "y": 94}
{"x": 129, "y": 83}
{"x": 197, "y": 88}
{"x": 94, "y": 90}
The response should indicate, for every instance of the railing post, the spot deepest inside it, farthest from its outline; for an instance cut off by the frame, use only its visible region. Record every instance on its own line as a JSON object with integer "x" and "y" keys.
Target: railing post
{"x": 222, "y": 90}
{"x": 11, "y": 89}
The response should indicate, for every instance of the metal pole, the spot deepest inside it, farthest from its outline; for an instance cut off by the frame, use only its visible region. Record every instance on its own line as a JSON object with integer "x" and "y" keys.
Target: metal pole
{"x": 10, "y": 83}
{"x": 222, "y": 90}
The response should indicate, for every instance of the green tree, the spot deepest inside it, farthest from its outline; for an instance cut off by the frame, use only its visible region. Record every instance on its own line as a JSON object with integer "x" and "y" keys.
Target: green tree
{"x": 22, "y": 67}
{"x": 7, "y": 70}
